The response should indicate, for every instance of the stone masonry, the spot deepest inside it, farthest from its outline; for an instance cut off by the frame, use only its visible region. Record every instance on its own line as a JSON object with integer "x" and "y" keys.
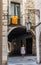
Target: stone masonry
{"x": 29, "y": 5}
{"x": 0, "y": 32}
{"x": 4, "y": 31}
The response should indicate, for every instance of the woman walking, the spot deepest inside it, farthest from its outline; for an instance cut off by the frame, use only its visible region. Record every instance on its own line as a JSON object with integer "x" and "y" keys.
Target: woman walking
{"x": 23, "y": 51}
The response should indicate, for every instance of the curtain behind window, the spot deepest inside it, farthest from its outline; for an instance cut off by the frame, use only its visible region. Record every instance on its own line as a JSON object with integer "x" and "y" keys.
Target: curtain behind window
{"x": 15, "y": 9}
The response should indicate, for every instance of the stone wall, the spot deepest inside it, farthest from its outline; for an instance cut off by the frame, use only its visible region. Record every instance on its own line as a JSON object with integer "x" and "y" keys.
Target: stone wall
{"x": 38, "y": 6}
{"x": 0, "y": 32}
{"x": 4, "y": 31}
{"x": 30, "y": 6}
{"x": 40, "y": 44}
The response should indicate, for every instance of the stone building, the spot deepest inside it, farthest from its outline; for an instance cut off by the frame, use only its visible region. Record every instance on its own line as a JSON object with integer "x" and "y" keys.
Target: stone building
{"x": 24, "y": 10}
{"x": 27, "y": 8}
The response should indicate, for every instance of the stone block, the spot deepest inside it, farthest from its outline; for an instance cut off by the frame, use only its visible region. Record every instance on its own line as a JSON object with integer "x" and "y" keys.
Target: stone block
{"x": 4, "y": 28}
{"x": 4, "y": 1}
{"x": 4, "y": 41}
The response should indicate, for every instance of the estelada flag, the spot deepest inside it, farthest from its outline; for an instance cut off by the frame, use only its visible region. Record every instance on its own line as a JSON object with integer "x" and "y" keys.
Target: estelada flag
{"x": 14, "y": 19}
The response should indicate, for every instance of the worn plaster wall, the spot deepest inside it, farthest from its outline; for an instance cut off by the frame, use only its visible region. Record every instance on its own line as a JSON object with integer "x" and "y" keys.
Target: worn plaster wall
{"x": 4, "y": 31}
{"x": 38, "y": 6}
{"x": 0, "y": 32}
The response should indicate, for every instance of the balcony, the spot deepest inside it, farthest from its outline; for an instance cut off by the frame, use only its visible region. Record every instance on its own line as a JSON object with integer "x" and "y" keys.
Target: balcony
{"x": 10, "y": 24}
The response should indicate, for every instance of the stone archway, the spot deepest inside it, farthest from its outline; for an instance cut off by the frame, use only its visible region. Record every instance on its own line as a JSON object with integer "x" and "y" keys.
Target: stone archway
{"x": 16, "y": 32}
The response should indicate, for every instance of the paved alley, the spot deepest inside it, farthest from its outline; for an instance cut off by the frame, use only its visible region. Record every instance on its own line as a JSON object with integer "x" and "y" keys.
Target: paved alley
{"x": 28, "y": 60}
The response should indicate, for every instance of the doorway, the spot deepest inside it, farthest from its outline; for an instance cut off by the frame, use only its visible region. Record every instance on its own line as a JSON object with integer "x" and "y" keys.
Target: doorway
{"x": 29, "y": 46}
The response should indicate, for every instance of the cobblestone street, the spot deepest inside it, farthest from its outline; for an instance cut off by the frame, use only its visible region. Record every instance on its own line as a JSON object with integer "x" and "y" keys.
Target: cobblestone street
{"x": 28, "y": 60}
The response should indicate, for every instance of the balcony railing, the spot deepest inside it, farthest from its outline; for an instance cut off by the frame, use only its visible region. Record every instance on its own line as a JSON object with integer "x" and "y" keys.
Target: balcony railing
{"x": 9, "y": 19}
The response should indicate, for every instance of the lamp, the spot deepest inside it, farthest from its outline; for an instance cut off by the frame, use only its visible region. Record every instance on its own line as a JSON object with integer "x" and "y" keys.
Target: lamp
{"x": 29, "y": 25}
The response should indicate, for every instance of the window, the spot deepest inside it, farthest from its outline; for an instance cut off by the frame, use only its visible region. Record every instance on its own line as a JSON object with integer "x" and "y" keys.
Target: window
{"x": 15, "y": 10}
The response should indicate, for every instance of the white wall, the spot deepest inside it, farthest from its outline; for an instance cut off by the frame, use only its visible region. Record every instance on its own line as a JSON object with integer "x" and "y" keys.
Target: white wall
{"x": 4, "y": 31}
{"x": 38, "y": 29}
{"x": 38, "y": 6}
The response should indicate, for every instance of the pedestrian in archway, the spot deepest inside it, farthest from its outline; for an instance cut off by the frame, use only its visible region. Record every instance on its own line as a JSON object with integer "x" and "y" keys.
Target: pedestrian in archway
{"x": 23, "y": 51}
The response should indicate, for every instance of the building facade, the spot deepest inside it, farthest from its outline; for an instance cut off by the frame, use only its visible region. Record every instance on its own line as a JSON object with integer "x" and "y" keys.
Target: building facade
{"x": 27, "y": 8}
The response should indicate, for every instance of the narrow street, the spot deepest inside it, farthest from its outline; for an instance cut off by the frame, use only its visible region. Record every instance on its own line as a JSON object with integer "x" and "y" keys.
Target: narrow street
{"x": 27, "y": 60}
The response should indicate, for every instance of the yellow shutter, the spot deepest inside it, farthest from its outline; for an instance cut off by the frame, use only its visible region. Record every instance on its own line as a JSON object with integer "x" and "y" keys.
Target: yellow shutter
{"x": 14, "y": 19}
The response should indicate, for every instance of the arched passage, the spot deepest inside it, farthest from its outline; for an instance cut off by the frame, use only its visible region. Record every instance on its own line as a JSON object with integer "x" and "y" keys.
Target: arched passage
{"x": 18, "y": 36}
{"x": 16, "y": 32}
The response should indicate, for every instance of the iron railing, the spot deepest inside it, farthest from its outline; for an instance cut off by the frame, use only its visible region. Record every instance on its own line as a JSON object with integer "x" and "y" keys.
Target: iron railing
{"x": 9, "y": 19}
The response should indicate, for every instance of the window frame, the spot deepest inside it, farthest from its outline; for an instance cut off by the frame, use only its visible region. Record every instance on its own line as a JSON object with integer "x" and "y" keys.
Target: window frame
{"x": 15, "y": 3}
